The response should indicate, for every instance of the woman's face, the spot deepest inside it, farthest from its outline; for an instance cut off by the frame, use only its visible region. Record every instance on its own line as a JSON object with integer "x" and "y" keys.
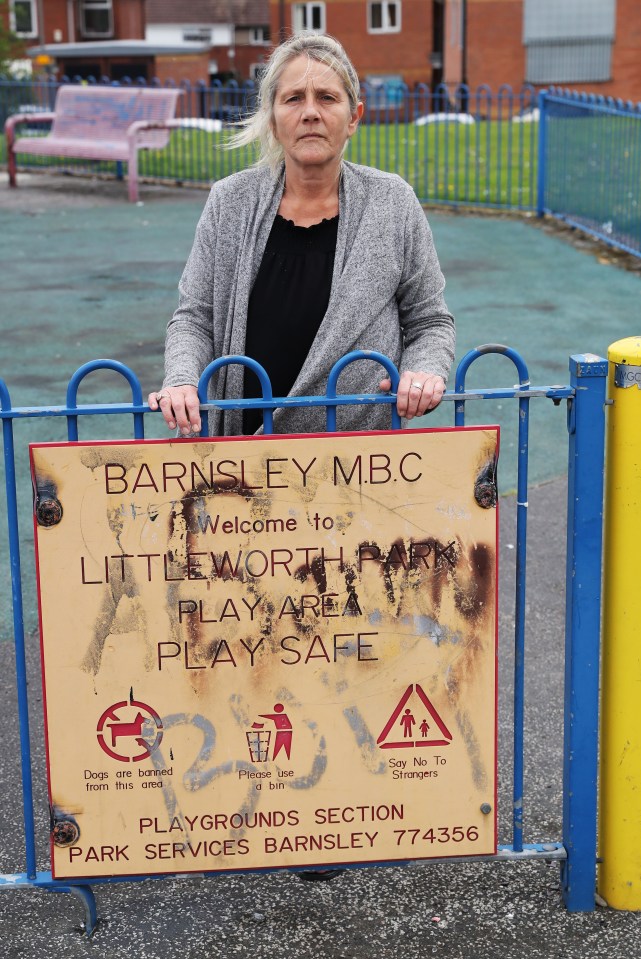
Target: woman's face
{"x": 312, "y": 118}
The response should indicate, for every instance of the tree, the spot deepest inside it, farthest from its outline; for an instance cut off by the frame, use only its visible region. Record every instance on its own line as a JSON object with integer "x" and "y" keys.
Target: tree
{"x": 9, "y": 42}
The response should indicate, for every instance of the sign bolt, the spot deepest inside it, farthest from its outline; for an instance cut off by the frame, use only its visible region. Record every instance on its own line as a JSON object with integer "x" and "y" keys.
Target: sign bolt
{"x": 48, "y": 512}
{"x": 65, "y": 832}
{"x": 486, "y": 809}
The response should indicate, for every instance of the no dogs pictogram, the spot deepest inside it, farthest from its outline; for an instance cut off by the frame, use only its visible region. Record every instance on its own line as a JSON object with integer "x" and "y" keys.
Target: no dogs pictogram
{"x": 428, "y": 735}
{"x": 129, "y": 731}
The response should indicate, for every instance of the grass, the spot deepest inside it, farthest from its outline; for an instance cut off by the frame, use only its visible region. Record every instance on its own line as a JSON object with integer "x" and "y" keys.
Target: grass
{"x": 593, "y": 166}
{"x": 489, "y": 163}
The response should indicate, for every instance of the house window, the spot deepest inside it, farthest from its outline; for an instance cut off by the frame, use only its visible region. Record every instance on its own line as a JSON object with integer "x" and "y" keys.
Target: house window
{"x": 24, "y": 20}
{"x": 569, "y": 42}
{"x": 258, "y": 35}
{"x": 308, "y": 16}
{"x": 384, "y": 17}
{"x": 96, "y": 18}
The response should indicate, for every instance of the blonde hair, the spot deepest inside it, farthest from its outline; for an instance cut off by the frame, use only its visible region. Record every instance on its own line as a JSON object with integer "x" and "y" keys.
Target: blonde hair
{"x": 258, "y": 128}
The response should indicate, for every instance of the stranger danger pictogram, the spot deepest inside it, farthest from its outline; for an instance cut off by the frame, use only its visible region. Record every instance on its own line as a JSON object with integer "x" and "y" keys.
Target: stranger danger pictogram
{"x": 410, "y": 719}
{"x": 129, "y": 731}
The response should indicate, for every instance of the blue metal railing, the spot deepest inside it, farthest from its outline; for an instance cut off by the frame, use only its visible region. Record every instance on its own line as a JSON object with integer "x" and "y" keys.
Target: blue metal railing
{"x": 589, "y": 161}
{"x": 585, "y": 397}
{"x": 575, "y": 156}
{"x": 521, "y": 539}
{"x": 454, "y": 145}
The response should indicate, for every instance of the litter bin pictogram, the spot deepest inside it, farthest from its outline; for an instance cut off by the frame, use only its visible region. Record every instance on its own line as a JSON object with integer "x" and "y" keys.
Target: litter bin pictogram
{"x": 258, "y": 742}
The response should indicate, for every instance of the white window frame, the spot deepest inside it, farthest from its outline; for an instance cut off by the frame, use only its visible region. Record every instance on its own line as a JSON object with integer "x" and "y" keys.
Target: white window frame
{"x": 86, "y": 5}
{"x": 258, "y": 36}
{"x": 34, "y": 19}
{"x": 386, "y": 26}
{"x": 302, "y": 14}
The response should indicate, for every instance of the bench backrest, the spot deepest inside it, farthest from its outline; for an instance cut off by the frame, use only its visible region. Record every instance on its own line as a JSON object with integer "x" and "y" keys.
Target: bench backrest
{"x": 105, "y": 113}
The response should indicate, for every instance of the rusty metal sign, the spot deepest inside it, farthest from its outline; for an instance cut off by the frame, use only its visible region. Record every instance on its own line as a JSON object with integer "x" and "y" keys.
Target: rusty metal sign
{"x": 268, "y": 652}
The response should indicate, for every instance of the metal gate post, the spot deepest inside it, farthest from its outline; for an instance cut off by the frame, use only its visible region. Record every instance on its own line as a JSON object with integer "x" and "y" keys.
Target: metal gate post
{"x": 586, "y": 426}
{"x": 542, "y": 153}
{"x": 18, "y": 632}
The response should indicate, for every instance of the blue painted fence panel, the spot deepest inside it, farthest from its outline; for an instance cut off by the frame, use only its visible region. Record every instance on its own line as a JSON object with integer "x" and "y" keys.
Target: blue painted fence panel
{"x": 589, "y": 162}
{"x": 585, "y": 397}
{"x": 575, "y": 156}
{"x": 454, "y": 145}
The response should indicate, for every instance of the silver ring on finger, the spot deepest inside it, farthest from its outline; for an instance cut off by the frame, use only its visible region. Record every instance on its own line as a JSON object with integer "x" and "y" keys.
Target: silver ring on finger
{"x": 163, "y": 395}
{"x": 417, "y": 385}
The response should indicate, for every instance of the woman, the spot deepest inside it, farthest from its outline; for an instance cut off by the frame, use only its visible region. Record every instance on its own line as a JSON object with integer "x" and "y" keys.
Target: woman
{"x": 304, "y": 257}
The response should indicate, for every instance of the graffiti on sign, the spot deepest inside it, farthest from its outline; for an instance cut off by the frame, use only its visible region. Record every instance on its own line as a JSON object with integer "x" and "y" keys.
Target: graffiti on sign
{"x": 281, "y": 650}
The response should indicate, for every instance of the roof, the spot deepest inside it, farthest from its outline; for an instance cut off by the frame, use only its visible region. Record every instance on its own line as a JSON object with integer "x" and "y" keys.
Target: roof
{"x": 240, "y": 12}
{"x": 116, "y": 48}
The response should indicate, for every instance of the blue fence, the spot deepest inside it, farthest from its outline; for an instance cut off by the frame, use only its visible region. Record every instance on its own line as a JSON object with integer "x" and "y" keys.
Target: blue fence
{"x": 454, "y": 146}
{"x": 572, "y": 155}
{"x": 584, "y": 395}
{"x": 589, "y": 163}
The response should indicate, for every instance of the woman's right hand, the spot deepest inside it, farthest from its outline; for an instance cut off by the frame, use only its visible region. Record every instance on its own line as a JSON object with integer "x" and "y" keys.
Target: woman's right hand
{"x": 180, "y": 406}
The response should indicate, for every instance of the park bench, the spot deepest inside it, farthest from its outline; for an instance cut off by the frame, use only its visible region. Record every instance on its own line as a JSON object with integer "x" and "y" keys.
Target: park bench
{"x": 99, "y": 123}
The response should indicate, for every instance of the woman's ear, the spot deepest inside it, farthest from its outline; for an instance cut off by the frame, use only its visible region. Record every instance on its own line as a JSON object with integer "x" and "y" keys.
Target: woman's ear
{"x": 356, "y": 116}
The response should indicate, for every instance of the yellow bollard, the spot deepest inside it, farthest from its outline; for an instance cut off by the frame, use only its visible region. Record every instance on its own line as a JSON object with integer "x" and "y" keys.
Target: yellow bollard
{"x": 619, "y": 880}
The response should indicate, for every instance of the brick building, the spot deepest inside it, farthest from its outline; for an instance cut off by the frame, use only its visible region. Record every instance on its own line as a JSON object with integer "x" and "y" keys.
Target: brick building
{"x": 194, "y": 40}
{"x": 585, "y": 44}
{"x": 592, "y": 45}
{"x": 69, "y": 21}
{"x": 395, "y": 38}
{"x": 57, "y": 27}
{"x": 90, "y": 38}
{"x": 235, "y": 31}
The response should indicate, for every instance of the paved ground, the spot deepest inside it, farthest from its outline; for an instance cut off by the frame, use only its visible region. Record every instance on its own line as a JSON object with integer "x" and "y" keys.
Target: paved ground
{"x": 104, "y": 284}
{"x": 470, "y": 911}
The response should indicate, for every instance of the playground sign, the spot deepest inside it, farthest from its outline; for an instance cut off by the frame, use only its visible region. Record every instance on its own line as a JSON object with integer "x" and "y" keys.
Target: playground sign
{"x": 269, "y": 651}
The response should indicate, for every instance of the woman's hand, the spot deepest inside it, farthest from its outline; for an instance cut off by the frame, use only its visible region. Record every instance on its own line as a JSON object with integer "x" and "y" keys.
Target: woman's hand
{"x": 417, "y": 393}
{"x": 180, "y": 406}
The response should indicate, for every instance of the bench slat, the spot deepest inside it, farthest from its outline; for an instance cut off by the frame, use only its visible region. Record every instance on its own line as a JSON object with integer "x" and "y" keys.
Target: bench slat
{"x": 72, "y": 147}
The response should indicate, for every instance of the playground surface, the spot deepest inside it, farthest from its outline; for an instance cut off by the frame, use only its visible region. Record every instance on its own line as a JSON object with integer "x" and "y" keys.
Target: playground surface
{"x": 86, "y": 275}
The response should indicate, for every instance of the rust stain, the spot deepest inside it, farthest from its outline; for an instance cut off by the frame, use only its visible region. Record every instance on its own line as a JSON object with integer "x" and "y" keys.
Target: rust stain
{"x": 473, "y": 587}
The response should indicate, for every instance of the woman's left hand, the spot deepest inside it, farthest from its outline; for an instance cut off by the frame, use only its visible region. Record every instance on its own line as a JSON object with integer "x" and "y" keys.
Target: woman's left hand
{"x": 417, "y": 393}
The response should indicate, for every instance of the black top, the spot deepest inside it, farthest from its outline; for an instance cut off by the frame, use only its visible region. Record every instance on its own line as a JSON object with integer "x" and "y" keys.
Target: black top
{"x": 287, "y": 304}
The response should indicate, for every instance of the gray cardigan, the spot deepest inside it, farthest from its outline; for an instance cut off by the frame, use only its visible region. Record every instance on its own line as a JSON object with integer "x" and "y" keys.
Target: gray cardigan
{"x": 387, "y": 295}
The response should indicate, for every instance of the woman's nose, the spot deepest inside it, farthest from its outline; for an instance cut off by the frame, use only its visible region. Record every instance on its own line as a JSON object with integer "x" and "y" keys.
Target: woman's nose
{"x": 310, "y": 108}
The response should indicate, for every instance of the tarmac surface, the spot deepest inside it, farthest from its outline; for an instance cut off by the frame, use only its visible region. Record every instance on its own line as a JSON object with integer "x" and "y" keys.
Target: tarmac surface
{"x": 79, "y": 262}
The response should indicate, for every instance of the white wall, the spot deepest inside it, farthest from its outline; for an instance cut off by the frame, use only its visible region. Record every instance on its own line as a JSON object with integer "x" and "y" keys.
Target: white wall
{"x": 218, "y": 34}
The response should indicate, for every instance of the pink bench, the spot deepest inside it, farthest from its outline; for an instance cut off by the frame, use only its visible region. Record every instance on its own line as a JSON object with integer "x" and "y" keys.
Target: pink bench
{"x": 99, "y": 123}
